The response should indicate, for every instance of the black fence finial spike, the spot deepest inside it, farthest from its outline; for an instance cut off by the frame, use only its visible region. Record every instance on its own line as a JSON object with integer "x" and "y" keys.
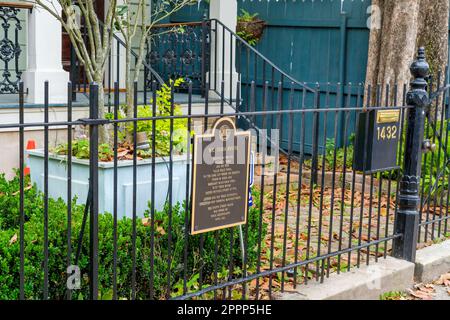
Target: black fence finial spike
{"x": 421, "y": 53}
{"x": 420, "y": 67}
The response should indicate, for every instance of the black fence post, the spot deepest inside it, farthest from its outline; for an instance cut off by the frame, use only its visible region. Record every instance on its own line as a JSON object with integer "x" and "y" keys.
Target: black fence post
{"x": 204, "y": 56}
{"x": 93, "y": 187}
{"x": 407, "y": 222}
{"x": 315, "y": 143}
{"x": 73, "y": 72}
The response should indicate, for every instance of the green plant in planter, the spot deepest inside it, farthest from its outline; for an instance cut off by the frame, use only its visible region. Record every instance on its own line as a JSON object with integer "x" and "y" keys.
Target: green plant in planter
{"x": 247, "y": 16}
{"x": 162, "y": 130}
{"x": 80, "y": 150}
{"x": 249, "y": 27}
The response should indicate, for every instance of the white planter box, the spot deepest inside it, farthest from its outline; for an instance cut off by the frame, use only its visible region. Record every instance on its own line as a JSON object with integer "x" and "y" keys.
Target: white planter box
{"x": 57, "y": 181}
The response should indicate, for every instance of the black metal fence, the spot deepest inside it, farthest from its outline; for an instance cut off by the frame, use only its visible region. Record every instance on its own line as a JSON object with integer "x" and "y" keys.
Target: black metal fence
{"x": 314, "y": 216}
{"x": 434, "y": 202}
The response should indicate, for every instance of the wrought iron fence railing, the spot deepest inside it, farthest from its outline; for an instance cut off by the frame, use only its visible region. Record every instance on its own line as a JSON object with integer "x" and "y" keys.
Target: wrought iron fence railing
{"x": 436, "y": 165}
{"x": 111, "y": 220}
{"x": 12, "y": 29}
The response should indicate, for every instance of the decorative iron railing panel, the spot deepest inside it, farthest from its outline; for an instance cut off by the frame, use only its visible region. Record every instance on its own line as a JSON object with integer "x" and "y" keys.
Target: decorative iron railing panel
{"x": 181, "y": 51}
{"x": 10, "y": 49}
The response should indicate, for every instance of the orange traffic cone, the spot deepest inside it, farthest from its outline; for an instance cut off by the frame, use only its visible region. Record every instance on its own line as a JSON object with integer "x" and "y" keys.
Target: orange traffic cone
{"x": 31, "y": 145}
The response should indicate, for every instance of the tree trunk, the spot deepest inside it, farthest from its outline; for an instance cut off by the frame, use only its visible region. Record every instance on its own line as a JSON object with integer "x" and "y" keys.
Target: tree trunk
{"x": 103, "y": 134}
{"x": 392, "y": 48}
{"x": 129, "y": 92}
{"x": 129, "y": 83}
{"x": 131, "y": 77}
{"x": 433, "y": 35}
{"x": 405, "y": 26}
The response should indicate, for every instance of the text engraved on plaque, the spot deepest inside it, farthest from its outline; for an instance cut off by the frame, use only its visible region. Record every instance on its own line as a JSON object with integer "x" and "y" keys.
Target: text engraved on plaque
{"x": 220, "y": 178}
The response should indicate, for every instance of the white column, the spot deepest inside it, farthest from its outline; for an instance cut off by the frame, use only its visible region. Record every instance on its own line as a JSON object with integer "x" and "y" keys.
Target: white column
{"x": 120, "y": 75}
{"x": 113, "y": 73}
{"x": 226, "y": 13}
{"x": 44, "y": 58}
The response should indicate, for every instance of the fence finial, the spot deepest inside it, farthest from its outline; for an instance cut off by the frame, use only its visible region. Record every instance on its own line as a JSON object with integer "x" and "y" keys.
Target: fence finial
{"x": 419, "y": 69}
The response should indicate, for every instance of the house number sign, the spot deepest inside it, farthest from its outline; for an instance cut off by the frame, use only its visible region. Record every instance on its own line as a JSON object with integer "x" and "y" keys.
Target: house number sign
{"x": 377, "y": 141}
{"x": 220, "y": 178}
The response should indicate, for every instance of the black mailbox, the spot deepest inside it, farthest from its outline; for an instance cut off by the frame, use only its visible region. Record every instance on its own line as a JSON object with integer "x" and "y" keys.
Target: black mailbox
{"x": 380, "y": 130}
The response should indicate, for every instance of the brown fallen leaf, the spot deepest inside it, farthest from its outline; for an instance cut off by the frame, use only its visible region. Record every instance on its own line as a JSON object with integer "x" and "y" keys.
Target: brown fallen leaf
{"x": 303, "y": 236}
{"x": 443, "y": 279}
{"x": 364, "y": 238}
{"x": 420, "y": 294}
{"x": 13, "y": 239}
{"x": 161, "y": 230}
{"x": 428, "y": 288}
{"x": 146, "y": 222}
{"x": 122, "y": 153}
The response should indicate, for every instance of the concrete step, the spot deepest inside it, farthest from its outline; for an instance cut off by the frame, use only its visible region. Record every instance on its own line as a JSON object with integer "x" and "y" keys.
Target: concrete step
{"x": 432, "y": 261}
{"x": 365, "y": 283}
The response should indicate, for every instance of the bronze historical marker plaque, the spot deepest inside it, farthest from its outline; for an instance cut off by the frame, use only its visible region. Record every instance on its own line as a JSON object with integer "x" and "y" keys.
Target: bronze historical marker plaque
{"x": 220, "y": 178}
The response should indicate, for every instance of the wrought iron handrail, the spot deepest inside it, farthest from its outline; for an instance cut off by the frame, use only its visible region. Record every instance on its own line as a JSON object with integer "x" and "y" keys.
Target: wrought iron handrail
{"x": 144, "y": 63}
{"x": 120, "y": 44}
{"x": 180, "y": 50}
{"x": 264, "y": 58}
{"x": 175, "y": 24}
{"x": 268, "y": 87}
{"x": 17, "y": 5}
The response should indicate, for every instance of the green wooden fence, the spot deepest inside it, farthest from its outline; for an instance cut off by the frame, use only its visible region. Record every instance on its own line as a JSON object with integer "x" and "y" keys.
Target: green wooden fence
{"x": 317, "y": 42}
{"x": 321, "y": 41}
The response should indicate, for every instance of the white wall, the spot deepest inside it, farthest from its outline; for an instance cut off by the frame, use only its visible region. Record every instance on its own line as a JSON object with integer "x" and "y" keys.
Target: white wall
{"x": 44, "y": 57}
{"x": 225, "y": 12}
